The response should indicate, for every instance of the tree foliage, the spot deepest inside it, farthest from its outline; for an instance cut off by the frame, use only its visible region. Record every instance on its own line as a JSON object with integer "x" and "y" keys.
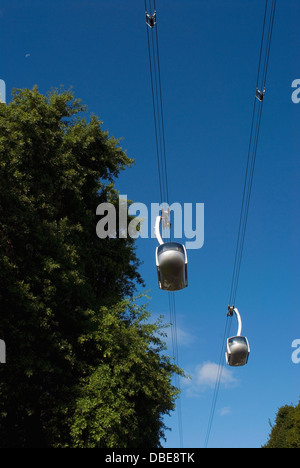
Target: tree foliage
{"x": 84, "y": 367}
{"x": 286, "y": 430}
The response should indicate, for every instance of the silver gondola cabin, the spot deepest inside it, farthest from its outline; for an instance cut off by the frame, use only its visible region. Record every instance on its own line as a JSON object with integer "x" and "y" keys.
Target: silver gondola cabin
{"x": 238, "y": 349}
{"x": 171, "y": 263}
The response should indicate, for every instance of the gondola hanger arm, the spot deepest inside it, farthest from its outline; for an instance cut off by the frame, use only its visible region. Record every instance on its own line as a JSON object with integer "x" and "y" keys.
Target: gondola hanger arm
{"x": 157, "y": 230}
{"x": 232, "y": 310}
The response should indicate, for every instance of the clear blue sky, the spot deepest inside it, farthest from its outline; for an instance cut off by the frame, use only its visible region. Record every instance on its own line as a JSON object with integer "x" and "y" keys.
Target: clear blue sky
{"x": 209, "y": 56}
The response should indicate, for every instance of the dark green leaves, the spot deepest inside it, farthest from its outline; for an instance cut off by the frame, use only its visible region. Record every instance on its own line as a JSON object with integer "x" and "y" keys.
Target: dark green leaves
{"x": 84, "y": 367}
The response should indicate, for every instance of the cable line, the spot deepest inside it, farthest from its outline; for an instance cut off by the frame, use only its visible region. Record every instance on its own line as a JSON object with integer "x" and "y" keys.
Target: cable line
{"x": 156, "y": 88}
{"x": 264, "y": 57}
{"x": 159, "y": 128}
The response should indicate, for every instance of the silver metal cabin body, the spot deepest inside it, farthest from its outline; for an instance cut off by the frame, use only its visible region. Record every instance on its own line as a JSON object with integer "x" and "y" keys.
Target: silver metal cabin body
{"x": 171, "y": 263}
{"x": 238, "y": 349}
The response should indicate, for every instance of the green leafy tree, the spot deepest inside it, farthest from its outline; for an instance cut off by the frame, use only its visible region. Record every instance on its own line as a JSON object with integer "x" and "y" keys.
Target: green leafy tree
{"x": 286, "y": 430}
{"x": 78, "y": 357}
{"x": 130, "y": 390}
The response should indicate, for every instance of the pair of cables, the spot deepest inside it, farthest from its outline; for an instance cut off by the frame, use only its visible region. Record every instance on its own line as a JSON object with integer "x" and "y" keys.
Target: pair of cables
{"x": 156, "y": 88}
{"x": 263, "y": 64}
{"x": 253, "y": 143}
{"x": 159, "y": 128}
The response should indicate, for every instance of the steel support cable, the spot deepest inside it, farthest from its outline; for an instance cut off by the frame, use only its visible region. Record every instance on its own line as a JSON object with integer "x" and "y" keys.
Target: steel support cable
{"x": 155, "y": 120}
{"x": 248, "y": 158}
{"x": 159, "y": 117}
{"x": 217, "y": 385}
{"x": 242, "y": 241}
{"x": 156, "y": 88}
{"x": 164, "y": 153}
{"x": 245, "y": 200}
{"x": 252, "y": 145}
{"x": 172, "y": 307}
{"x": 267, "y": 57}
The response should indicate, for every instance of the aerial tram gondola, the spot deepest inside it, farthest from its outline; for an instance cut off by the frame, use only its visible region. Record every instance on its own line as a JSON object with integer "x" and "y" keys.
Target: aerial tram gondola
{"x": 171, "y": 263}
{"x": 238, "y": 349}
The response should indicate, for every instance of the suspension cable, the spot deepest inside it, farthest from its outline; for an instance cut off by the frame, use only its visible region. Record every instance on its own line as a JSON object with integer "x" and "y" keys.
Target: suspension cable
{"x": 248, "y": 184}
{"x": 159, "y": 128}
{"x": 156, "y": 88}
